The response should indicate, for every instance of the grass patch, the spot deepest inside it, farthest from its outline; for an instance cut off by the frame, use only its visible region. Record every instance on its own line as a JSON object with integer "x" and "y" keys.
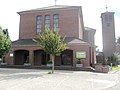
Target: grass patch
{"x": 115, "y": 68}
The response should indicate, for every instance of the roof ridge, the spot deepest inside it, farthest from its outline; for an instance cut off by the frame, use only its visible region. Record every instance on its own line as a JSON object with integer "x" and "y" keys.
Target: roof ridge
{"x": 50, "y": 7}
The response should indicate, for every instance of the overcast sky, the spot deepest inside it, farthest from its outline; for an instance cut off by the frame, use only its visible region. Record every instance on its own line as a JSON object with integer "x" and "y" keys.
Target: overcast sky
{"x": 92, "y": 10}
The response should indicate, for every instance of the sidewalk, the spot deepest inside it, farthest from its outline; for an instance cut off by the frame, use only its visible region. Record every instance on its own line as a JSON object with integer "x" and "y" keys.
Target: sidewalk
{"x": 113, "y": 72}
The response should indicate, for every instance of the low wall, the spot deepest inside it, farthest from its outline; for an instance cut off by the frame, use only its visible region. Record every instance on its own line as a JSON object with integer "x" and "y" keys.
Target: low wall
{"x": 102, "y": 68}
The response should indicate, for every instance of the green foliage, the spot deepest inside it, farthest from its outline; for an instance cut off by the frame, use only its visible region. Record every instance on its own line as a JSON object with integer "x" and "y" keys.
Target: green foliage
{"x": 5, "y": 42}
{"x": 118, "y": 40}
{"x": 115, "y": 68}
{"x": 51, "y": 42}
{"x": 113, "y": 59}
{"x": 49, "y": 62}
{"x": 105, "y": 61}
{"x": 78, "y": 61}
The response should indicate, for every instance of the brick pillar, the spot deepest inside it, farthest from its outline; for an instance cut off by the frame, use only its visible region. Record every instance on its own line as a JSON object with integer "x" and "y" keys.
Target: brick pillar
{"x": 94, "y": 56}
{"x": 74, "y": 58}
{"x": 9, "y": 59}
{"x": 31, "y": 57}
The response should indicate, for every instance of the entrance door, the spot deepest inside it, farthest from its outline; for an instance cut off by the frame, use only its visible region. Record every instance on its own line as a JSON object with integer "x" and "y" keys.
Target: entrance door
{"x": 21, "y": 57}
{"x": 67, "y": 57}
{"x": 45, "y": 58}
{"x": 37, "y": 58}
{"x": 40, "y": 58}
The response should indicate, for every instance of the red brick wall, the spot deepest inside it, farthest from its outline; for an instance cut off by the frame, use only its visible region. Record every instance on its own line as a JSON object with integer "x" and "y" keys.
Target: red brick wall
{"x": 70, "y": 22}
{"x": 10, "y": 60}
{"x": 93, "y": 56}
{"x": 76, "y": 48}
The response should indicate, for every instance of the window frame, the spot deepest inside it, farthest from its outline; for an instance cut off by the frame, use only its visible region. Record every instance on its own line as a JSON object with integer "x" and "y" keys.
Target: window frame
{"x": 39, "y": 24}
{"x": 56, "y": 22}
{"x": 48, "y": 23}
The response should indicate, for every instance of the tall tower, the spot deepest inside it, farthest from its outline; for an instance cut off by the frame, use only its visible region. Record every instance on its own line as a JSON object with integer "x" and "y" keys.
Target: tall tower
{"x": 108, "y": 32}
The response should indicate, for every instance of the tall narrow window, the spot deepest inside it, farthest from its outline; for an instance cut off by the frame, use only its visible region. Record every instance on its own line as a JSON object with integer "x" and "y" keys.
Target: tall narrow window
{"x": 47, "y": 21}
{"x": 39, "y": 24}
{"x": 56, "y": 22}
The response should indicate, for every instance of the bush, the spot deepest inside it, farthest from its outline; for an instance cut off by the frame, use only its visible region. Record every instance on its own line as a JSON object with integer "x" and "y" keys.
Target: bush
{"x": 78, "y": 61}
{"x": 113, "y": 59}
{"x": 49, "y": 62}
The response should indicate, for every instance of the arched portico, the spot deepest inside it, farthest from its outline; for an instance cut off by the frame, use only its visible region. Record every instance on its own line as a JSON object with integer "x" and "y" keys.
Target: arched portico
{"x": 21, "y": 57}
{"x": 67, "y": 57}
{"x": 40, "y": 58}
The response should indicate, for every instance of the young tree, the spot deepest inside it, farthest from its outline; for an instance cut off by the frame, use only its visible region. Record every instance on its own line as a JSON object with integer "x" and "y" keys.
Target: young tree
{"x": 5, "y": 42}
{"x": 52, "y": 43}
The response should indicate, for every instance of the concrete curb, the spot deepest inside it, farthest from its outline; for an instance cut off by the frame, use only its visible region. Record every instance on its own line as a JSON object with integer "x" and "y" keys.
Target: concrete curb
{"x": 113, "y": 72}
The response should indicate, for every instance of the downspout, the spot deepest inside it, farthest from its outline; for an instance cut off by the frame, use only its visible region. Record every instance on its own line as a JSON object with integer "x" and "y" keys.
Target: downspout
{"x": 91, "y": 57}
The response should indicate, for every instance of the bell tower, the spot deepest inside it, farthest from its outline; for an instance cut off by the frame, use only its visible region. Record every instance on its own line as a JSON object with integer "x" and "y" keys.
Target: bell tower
{"x": 108, "y": 33}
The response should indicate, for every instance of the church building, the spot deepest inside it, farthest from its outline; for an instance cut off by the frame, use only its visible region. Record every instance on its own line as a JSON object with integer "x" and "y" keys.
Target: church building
{"x": 69, "y": 21}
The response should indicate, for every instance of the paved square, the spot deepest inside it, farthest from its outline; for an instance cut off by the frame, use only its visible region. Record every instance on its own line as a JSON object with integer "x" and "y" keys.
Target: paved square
{"x": 37, "y": 79}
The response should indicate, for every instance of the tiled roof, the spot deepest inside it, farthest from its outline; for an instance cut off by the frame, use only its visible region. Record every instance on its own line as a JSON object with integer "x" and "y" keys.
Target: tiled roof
{"x": 50, "y": 8}
{"x": 30, "y": 42}
{"x": 23, "y": 42}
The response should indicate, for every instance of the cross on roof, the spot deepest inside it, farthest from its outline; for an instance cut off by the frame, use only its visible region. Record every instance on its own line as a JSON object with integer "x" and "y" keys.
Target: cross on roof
{"x": 55, "y": 2}
{"x": 106, "y": 8}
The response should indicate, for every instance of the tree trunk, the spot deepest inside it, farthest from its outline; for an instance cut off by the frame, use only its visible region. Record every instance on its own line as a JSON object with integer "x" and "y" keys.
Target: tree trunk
{"x": 2, "y": 59}
{"x": 52, "y": 56}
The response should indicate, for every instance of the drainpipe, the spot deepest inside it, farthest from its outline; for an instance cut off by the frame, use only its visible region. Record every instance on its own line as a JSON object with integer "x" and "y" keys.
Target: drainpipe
{"x": 91, "y": 55}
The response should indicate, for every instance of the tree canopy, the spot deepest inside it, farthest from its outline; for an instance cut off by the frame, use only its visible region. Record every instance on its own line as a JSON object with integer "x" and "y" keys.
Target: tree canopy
{"x": 52, "y": 43}
{"x": 5, "y": 42}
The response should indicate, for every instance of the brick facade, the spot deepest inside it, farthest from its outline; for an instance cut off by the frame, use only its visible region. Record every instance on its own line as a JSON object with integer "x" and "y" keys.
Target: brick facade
{"x": 70, "y": 25}
{"x": 70, "y": 22}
